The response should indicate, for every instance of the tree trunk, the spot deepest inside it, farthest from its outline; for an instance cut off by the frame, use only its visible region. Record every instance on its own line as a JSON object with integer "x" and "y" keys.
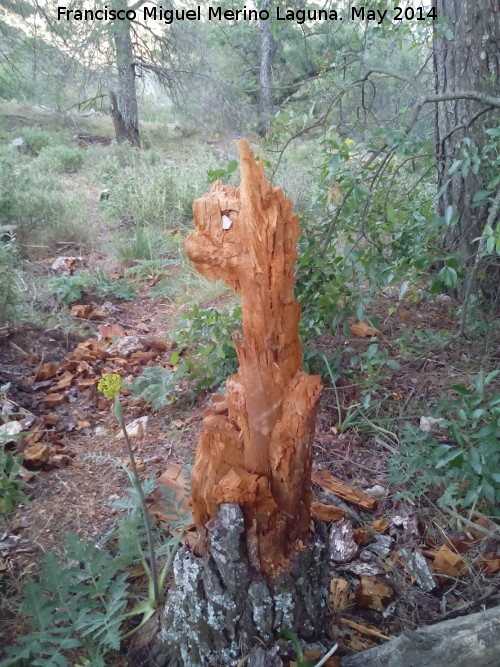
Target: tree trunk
{"x": 468, "y": 61}
{"x": 258, "y": 569}
{"x": 124, "y": 101}
{"x": 461, "y": 642}
{"x": 266, "y": 72}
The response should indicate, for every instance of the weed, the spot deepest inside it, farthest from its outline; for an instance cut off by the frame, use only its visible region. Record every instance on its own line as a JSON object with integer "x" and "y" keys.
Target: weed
{"x": 147, "y": 244}
{"x": 81, "y": 605}
{"x": 69, "y": 288}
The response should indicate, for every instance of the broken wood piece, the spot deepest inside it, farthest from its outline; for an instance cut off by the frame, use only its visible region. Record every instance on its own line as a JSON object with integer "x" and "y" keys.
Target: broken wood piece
{"x": 46, "y": 372}
{"x": 348, "y": 493}
{"x": 373, "y": 593}
{"x": 53, "y": 400}
{"x": 340, "y": 596}
{"x": 36, "y": 456}
{"x": 327, "y": 513}
{"x": 369, "y": 630}
{"x": 448, "y": 563}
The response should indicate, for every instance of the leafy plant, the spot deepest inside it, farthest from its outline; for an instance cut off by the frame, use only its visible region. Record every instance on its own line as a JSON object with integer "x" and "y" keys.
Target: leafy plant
{"x": 104, "y": 285}
{"x": 466, "y": 465}
{"x": 82, "y": 604}
{"x": 156, "y": 386}
{"x": 10, "y": 482}
{"x": 77, "y": 606}
{"x": 8, "y": 281}
{"x": 110, "y": 385}
{"x": 69, "y": 288}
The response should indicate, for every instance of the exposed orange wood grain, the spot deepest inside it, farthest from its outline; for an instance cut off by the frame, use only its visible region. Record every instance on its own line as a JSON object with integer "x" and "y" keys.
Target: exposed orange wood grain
{"x": 343, "y": 490}
{"x": 255, "y": 446}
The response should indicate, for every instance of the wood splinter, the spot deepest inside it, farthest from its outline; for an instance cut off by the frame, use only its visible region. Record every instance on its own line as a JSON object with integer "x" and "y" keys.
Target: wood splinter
{"x": 255, "y": 446}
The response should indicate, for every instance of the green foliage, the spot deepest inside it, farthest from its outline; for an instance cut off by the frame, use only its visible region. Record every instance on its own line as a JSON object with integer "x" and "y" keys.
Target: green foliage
{"x": 209, "y": 356}
{"x": 105, "y": 286}
{"x": 372, "y": 232}
{"x": 39, "y": 203}
{"x": 149, "y": 269}
{"x": 224, "y": 173}
{"x": 156, "y": 386}
{"x": 77, "y": 606}
{"x": 147, "y": 244}
{"x": 8, "y": 280}
{"x": 60, "y": 159}
{"x": 82, "y": 603}
{"x": 465, "y": 467}
{"x": 10, "y": 482}
{"x": 141, "y": 187}
{"x": 207, "y": 333}
{"x": 69, "y": 288}
{"x": 39, "y": 138}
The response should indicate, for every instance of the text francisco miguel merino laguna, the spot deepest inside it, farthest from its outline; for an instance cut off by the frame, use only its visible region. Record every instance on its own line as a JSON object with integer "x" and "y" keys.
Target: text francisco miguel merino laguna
{"x": 216, "y": 13}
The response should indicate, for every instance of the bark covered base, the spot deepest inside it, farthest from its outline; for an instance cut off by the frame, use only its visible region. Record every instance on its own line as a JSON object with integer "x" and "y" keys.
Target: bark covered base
{"x": 220, "y": 607}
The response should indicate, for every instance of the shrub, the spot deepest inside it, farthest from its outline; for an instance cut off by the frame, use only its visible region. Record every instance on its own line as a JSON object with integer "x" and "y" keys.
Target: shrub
{"x": 39, "y": 139}
{"x": 8, "y": 280}
{"x": 465, "y": 468}
{"x": 60, "y": 159}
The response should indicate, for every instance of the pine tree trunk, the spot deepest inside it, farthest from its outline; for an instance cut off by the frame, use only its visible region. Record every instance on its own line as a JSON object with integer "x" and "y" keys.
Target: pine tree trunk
{"x": 258, "y": 568}
{"x": 266, "y": 72}
{"x": 124, "y": 101}
{"x": 467, "y": 62}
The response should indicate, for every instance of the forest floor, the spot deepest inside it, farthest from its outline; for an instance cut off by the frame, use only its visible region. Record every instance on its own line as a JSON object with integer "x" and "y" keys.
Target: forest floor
{"x": 411, "y": 564}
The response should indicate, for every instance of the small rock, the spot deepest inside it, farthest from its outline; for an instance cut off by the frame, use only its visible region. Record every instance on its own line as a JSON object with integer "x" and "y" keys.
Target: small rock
{"x": 9, "y": 431}
{"x": 124, "y": 347}
{"x": 22, "y": 146}
{"x": 101, "y": 432}
{"x": 428, "y": 424}
{"x": 135, "y": 429}
{"x": 376, "y": 491}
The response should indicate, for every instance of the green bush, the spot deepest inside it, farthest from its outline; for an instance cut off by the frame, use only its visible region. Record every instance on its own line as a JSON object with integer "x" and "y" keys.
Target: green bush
{"x": 38, "y": 139}
{"x": 465, "y": 468}
{"x": 60, "y": 159}
{"x": 8, "y": 280}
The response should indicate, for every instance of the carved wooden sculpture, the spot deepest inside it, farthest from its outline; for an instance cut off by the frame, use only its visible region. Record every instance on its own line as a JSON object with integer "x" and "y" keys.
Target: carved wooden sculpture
{"x": 255, "y": 444}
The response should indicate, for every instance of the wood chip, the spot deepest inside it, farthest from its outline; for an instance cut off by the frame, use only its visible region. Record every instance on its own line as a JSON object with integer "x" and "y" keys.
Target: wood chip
{"x": 46, "y": 372}
{"x": 343, "y": 490}
{"x": 81, "y": 310}
{"x": 50, "y": 420}
{"x": 53, "y": 400}
{"x": 373, "y": 593}
{"x": 154, "y": 344}
{"x": 327, "y": 513}
{"x": 363, "y": 330}
{"x": 36, "y": 456}
{"x": 340, "y": 597}
{"x": 449, "y": 563}
{"x": 64, "y": 382}
{"x": 60, "y": 460}
{"x": 380, "y": 526}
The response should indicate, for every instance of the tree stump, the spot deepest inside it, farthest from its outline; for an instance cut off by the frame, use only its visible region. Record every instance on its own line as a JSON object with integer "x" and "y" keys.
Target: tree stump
{"x": 258, "y": 568}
